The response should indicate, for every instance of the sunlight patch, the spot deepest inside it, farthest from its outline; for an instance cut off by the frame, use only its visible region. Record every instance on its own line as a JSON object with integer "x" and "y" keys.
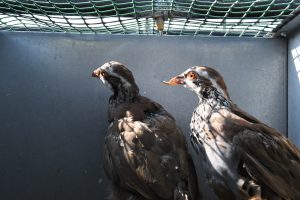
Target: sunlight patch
{"x": 296, "y": 58}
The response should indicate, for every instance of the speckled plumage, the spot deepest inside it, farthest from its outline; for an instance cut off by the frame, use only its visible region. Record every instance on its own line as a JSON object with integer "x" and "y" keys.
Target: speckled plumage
{"x": 245, "y": 159}
{"x": 145, "y": 154}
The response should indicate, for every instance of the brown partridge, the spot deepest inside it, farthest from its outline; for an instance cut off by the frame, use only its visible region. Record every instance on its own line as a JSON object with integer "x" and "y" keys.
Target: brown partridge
{"x": 145, "y": 153}
{"x": 245, "y": 158}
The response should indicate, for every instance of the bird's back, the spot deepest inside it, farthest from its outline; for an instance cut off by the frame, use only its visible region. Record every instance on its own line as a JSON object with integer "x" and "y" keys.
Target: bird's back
{"x": 145, "y": 152}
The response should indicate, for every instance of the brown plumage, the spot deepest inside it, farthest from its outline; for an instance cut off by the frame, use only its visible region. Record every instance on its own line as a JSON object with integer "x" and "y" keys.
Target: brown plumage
{"x": 245, "y": 158}
{"x": 145, "y": 154}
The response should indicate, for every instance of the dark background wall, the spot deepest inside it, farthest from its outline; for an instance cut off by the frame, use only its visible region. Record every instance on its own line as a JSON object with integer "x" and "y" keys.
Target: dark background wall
{"x": 53, "y": 114}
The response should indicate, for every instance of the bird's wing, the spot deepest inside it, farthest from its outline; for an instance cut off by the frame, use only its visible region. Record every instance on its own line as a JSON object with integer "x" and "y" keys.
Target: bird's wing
{"x": 120, "y": 161}
{"x": 269, "y": 157}
{"x": 244, "y": 115}
{"x": 149, "y": 156}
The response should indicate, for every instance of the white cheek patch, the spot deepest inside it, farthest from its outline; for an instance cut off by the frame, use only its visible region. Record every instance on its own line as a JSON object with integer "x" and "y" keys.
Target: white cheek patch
{"x": 205, "y": 74}
{"x": 189, "y": 83}
{"x": 107, "y": 67}
{"x": 105, "y": 82}
{"x": 191, "y": 86}
{"x": 217, "y": 87}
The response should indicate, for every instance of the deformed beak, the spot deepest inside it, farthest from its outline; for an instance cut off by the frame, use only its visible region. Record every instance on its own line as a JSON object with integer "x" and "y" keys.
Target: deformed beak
{"x": 96, "y": 74}
{"x": 177, "y": 80}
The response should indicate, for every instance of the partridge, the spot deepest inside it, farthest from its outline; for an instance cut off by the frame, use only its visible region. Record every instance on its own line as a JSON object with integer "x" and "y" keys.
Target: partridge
{"x": 145, "y": 154}
{"x": 243, "y": 157}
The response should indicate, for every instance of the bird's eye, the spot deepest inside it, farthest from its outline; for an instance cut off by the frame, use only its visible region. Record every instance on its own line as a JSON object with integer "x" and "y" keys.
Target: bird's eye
{"x": 191, "y": 75}
{"x": 103, "y": 73}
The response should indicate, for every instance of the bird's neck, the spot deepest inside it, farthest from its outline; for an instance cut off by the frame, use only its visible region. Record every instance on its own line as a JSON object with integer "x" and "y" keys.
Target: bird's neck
{"x": 124, "y": 94}
{"x": 212, "y": 99}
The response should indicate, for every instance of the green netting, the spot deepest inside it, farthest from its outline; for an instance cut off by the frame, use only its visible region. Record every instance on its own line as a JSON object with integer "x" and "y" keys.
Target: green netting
{"x": 253, "y": 18}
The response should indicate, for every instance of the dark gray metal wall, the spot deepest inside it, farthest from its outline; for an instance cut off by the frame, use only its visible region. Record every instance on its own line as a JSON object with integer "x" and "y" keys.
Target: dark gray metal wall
{"x": 53, "y": 114}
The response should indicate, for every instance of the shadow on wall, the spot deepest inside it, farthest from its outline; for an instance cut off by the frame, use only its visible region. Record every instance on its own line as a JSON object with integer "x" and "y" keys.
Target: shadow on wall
{"x": 296, "y": 58}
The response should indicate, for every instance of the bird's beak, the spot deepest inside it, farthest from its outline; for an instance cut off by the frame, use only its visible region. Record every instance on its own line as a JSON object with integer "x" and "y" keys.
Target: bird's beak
{"x": 177, "y": 80}
{"x": 96, "y": 73}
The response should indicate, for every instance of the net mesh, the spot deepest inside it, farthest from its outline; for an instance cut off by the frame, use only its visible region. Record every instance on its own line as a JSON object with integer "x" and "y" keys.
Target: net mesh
{"x": 250, "y": 18}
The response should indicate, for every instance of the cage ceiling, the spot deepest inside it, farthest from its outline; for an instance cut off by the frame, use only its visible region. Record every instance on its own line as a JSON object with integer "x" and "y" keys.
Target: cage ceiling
{"x": 249, "y": 18}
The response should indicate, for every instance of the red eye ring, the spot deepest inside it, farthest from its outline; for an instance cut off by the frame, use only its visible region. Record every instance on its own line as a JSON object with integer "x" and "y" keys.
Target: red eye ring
{"x": 191, "y": 75}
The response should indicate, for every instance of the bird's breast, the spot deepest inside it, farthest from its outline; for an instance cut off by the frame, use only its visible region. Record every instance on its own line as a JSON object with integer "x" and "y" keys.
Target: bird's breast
{"x": 219, "y": 151}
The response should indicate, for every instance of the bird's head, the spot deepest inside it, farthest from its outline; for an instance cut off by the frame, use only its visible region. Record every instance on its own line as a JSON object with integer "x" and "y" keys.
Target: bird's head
{"x": 116, "y": 77}
{"x": 199, "y": 78}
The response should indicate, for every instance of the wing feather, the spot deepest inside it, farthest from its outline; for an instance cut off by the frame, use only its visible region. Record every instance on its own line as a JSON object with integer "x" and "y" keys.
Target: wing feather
{"x": 269, "y": 156}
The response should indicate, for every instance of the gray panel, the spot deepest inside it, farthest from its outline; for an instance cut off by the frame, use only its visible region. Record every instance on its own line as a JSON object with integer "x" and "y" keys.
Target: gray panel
{"x": 294, "y": 88}
{"x": 53, "y": 114}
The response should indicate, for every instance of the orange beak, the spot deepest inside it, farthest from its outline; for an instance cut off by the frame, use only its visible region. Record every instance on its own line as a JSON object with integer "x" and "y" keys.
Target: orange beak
{"x": 177, "y": 80}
